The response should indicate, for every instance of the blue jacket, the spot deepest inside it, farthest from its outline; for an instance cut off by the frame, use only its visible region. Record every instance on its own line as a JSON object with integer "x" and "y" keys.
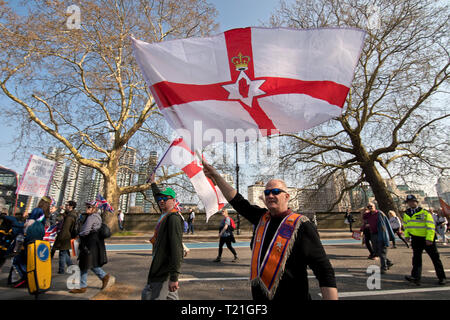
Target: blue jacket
{"x": 17, "y": 227}
{"x": 385, "y": 233}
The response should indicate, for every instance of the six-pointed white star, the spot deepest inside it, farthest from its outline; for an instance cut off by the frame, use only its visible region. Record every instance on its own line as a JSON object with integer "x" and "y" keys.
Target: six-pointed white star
{"x": 253, "y": 90}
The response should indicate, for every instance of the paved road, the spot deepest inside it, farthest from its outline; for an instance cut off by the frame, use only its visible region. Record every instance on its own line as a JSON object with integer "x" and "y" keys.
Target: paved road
{"x": 204, "y": 279}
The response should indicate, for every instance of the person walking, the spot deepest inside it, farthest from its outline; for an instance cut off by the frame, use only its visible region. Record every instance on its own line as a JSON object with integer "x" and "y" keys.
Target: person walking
{"x": 396, "y": 226}
{"x": 441, "y": 226}
{"x": 226, "y": 236}
{"x": 167, "y": 241}
{"x": 191, "y": 219}
{"x": 366, "y": 235}
{"x": 120, "y": 218}
{"x": 435, "y": 219}
{"x": 419, "y": 225}
{"x": 62, "y": 241}
{"x": 92, "y": 250}
{"x": 54, "y": 216}
{"x": 349, "y": 219}
{"x": 32, "y": 229}
{"x": 380, "y": 233}
{"x": 284, "y": 244}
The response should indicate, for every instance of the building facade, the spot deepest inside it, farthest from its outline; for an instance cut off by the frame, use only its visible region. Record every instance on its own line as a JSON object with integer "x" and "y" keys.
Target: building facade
{"x": 78, "y": 183}
{"x": 144, "y": 200}
{"x": 125, "y": 176}
{"x": 57, "y": 185}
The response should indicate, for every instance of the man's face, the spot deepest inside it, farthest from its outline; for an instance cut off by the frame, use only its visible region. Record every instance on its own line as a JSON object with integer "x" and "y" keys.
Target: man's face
{"x": 412, "y": 203}
{"x": 371, "y": 207}
{"x": 68, "y": 207}
{"x": 90, "y": 209}
{"x": 166, "y": 203}
{"x": 277, "y": 199}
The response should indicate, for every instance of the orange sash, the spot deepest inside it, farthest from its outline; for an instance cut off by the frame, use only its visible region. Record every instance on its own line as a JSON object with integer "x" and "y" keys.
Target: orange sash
{"x": 268, "y": 273}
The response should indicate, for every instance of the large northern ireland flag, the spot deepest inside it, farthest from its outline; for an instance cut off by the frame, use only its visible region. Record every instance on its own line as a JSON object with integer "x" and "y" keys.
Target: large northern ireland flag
{"x": 271, "y": 80}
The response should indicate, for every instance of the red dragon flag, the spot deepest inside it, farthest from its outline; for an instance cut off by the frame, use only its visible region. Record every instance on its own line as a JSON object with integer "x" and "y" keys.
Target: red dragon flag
{"x": 180, "y": 155}
{"x": 270, "y": 81}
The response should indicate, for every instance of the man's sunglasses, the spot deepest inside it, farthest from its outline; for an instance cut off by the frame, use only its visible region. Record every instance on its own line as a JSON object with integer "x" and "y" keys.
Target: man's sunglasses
{"x": 275, "y": 191}
{"x": 158, "y": 199}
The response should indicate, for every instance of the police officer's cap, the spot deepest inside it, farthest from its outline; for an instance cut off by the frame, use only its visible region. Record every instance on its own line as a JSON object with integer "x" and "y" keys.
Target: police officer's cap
{"x": 411, "y": 197}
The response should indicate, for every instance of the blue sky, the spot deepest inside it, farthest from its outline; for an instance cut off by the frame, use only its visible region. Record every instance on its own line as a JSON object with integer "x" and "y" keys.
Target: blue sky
{"x": 243, "y": 13}
{"x": 232, "y": 14}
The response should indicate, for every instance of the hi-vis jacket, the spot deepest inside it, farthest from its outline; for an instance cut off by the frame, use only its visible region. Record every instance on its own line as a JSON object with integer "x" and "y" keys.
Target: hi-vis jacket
{"x": 419, "y": 222}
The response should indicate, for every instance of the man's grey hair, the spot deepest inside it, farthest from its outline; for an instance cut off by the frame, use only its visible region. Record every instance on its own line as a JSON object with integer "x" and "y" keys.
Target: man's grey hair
{"x": 283, "y": 184}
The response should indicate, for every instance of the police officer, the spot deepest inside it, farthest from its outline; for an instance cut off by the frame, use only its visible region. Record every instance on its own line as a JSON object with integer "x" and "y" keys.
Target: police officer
{"x": 419, "y": 225}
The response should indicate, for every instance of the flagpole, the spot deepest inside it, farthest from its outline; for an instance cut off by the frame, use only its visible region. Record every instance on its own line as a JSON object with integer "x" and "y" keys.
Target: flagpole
{"x": 238, "y": 231}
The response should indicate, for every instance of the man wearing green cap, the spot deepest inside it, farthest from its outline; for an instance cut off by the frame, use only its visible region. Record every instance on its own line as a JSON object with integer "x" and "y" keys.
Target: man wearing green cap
{"x": 162, "y": 283}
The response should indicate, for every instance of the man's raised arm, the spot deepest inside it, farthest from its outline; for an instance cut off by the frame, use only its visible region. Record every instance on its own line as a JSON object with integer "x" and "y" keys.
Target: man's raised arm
{"x": 251, "y": 212}
{"x": 227, "y": 190}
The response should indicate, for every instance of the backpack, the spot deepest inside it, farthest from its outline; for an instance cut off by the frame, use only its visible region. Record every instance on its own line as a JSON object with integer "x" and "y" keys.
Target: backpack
{"x": 35, "y": 232}
{"x": 76, "y": 228}
{"x": 104, "y": 232}
{"x": 232, "y": 225}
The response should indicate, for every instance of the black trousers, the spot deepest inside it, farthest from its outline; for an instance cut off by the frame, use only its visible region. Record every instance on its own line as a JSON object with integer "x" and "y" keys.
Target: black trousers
{"x": 418, "y": 245}
{"x": 227, "y": 241}
{"x": 368, "y": 241}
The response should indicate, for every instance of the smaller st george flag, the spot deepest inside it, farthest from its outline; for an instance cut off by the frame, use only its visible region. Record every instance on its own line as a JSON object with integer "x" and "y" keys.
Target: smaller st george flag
{"x": 180, "y": 155}
{"x": 271, "y": 80}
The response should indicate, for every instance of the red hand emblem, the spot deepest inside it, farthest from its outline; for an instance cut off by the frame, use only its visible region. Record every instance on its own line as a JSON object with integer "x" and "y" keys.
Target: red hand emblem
{"x": 243, "y": 88}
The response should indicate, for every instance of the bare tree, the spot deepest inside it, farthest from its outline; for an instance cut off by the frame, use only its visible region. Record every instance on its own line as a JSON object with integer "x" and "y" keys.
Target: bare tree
{"x": 396, "y": 118}
{"x": 73, "y": 77}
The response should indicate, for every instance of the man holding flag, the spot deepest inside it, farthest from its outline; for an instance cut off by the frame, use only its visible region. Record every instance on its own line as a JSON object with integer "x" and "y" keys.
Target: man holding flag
{"x": 284, "y": 244}
{"x": 162, "y": 283}
{"x": 262, "y": 80}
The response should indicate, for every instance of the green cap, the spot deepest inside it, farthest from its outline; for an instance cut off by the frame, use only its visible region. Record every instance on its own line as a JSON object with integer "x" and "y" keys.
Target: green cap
{"x": 169, "y": 192}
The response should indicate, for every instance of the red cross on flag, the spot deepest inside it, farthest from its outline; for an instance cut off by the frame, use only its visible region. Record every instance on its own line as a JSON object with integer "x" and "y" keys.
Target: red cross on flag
{"x": 271, "y": 80}
{"x": 181, "y": 156}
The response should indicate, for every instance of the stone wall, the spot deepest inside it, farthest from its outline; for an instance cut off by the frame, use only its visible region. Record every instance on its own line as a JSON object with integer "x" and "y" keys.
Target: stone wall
{"x": 146, "y": 222}
{"x": 335, "y": 220}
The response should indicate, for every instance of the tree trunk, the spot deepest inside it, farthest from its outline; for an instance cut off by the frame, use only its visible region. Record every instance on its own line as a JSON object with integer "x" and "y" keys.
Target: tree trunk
{"x": 111, "y": 195}
{"x": 372, "y": 176}
{"x": 379, "y": 188}
{"x": 111, "y": 190}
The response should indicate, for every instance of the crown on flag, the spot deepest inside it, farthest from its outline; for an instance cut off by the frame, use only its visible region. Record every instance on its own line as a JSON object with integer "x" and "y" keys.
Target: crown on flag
{"x": 240, "y": 62}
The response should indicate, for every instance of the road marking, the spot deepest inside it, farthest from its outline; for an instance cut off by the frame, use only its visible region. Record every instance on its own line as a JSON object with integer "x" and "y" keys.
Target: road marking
{"x": 211, "y": 279}
{"x": 386, "y": 292}
{"x": 246, "y": 278}
{"x": 445, "y": 270}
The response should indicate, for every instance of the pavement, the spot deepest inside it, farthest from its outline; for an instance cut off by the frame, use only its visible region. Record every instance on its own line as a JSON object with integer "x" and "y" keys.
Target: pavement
{"x": 129, "y": 260}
